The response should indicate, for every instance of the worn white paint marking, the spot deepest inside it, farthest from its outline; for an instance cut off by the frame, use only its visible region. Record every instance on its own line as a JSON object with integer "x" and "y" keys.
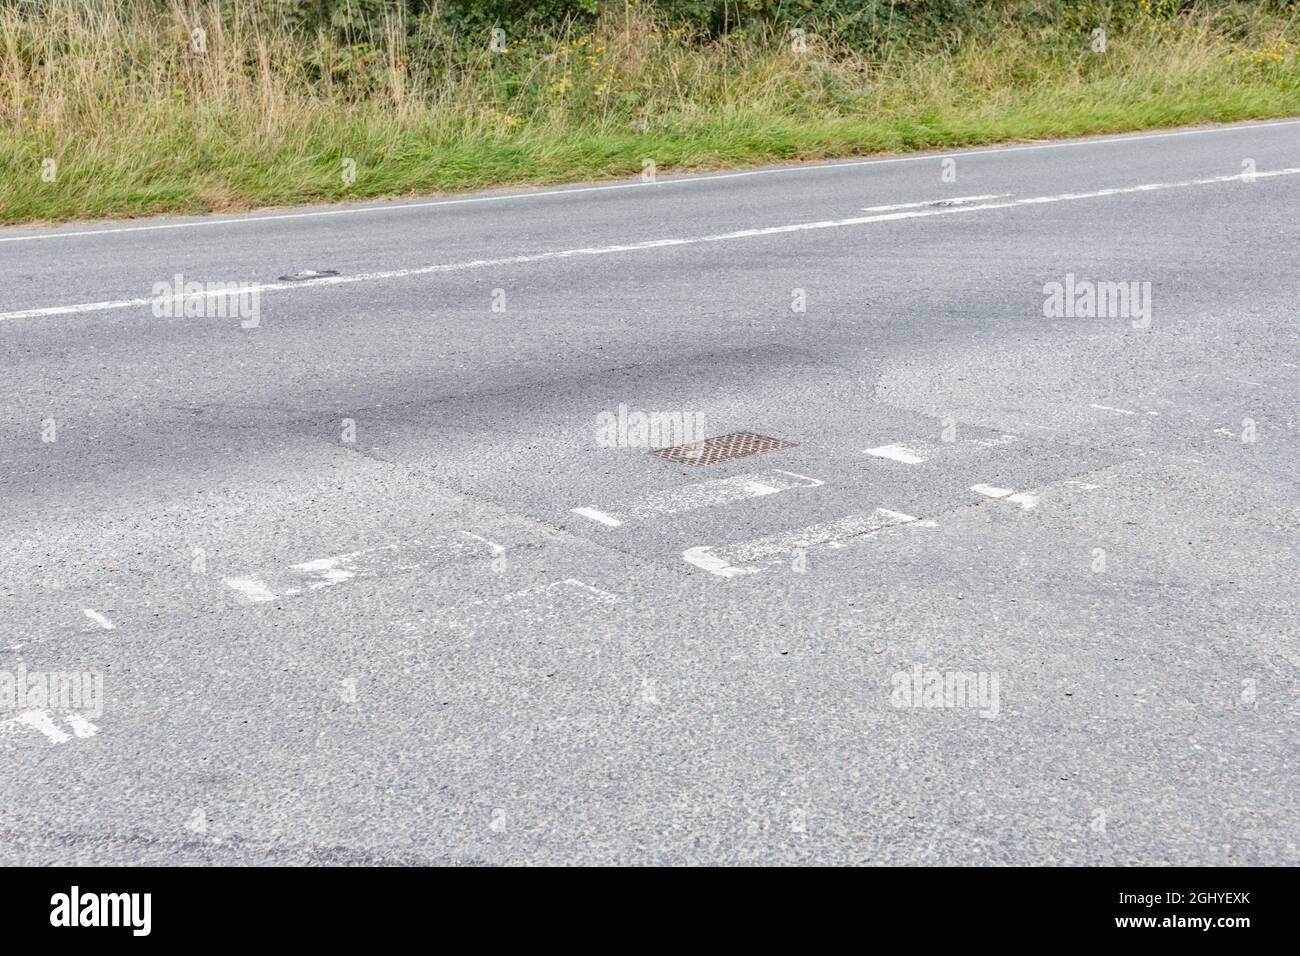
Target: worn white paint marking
{"x": 80, "y": 725}
{"x": 514, "y": 597}
{"x": 326, "y": 571}
{"x": 703, "y": 557}
{"x": 538, "y": 601}
{"x": 42, "y": 721}
{"x": 99, "y": 619}
{"x": 660, "y": 183}
{"x": 733, "y": 560}
{"x": 1111, "y": 408}
{"x": 492, "y": 545}
{"x": 251, "y": 589}
{"x": 596, "y": 515}
{"x": 629, "y": 247}
{"x": 896, "y": 453}
{"x": 703, "y": 494}
{"x": 1021, "y": 498}
{"x": 338, "y": 569}
{"x": 1086, "y": 486}
{"x": 941, "y": 202}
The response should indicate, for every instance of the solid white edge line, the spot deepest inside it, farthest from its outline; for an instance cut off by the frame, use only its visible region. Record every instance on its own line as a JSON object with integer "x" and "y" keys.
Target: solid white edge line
{"x": 541, "y": 194}
{"x": 647, "y": 244}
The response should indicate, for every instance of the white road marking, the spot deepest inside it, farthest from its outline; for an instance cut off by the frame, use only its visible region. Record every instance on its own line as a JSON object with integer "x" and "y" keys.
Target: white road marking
{"x": 671, "y": 181}
{"x": 492, "y": 545}
{"x": 595, "y": 515}
{"x": 80, "y": 725}
{"x": 337, "y": 569}
{"x": 99, "y": 619}
{"x": 733, "y": 560}
{"x": 1121, "y": 411}
{"x": 437, "y": 268}
{"x": 704, "y": 494}
{"x": 896, "y": 453}
{"x": 251, "y": 589}
{"x": 481, "y": 610}
{"x": 327, "y": 571}
{"x": 1021, "y": 498}
{"x": 935, "y": 202}
{"x": 42, "y": 721}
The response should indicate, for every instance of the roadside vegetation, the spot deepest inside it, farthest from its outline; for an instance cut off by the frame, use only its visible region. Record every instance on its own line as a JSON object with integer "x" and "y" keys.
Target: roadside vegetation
{"x": 115, "y": 108}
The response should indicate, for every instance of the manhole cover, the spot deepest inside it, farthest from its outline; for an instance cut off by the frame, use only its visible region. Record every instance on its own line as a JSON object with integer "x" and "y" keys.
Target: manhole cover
{"x": 309, "y": 274}
{"x": 722, "y": 448}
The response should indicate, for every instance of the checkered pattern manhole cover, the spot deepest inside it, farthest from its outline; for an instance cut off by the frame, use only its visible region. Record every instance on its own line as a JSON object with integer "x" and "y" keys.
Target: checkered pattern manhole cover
{"x": 722, "y": 448}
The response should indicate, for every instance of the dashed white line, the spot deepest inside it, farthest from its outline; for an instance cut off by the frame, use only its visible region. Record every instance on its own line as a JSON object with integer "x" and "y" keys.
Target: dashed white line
{"x": 437, "y": 268}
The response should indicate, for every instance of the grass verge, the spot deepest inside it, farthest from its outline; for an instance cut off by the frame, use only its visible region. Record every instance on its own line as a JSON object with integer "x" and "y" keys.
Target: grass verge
{"x": 116, "y": 108}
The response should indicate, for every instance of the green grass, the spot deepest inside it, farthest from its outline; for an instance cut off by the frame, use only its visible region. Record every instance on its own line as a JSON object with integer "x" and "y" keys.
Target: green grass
{"x": 139, "y": 124}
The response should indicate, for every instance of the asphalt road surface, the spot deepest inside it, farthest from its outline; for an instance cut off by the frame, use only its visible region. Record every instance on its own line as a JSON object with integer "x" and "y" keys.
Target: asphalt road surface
{"x": 377, "y": 567}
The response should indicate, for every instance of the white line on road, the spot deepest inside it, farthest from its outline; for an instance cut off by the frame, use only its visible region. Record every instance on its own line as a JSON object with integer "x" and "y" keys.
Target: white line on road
{"x": 42, "y": 721}
{"x": 596, "y": 515}
{"x": 950, "y": 201}
{"x": 732, "y": 560}
{"x": 704, "y": 494}
{"x": 99, "y": 619}
{"x": 251, "y": 589}
{"x": 1023, "y": 499}
{"x": 673, "y": 181}
{"x": 896, "y": 453}
{"x": 634, "y": 246}
{"x": 81, "y": 727}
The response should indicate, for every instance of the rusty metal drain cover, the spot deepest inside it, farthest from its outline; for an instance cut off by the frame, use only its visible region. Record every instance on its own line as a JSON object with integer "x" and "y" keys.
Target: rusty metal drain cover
{"x": 721, "y": 448}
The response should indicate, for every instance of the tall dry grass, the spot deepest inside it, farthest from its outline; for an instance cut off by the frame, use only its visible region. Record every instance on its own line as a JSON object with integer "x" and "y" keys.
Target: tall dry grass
{"x": 140, "y": 113}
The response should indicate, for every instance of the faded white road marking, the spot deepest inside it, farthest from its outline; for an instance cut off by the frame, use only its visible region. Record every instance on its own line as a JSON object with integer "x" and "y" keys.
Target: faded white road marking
{"x": 658, "y": 184}
{"x": 896, "y": 453}
{"x": 492, "y": 545}
{"x": 935, "y": 202}
{"x": 703, "y": 494}
{"x": 1023, "y": 499}
{"x": 99, "y": 619}
{"x": 596, "y": 515}
{"x": 80, "y": 725}
{"x": 632, "y": 246}
{"x": 541, "y": 602}
{"x": 42, "y": 721}
{"x": 734, "y": 560}
{"x": 251, "y": 589}
{"x": 1120, "y": 411}
{"x": 338, "y": 569}
{"x": 326, "y": 571}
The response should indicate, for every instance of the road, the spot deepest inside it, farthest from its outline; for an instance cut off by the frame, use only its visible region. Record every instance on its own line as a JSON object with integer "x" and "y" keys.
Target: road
{"x": 1016, "y": 584}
